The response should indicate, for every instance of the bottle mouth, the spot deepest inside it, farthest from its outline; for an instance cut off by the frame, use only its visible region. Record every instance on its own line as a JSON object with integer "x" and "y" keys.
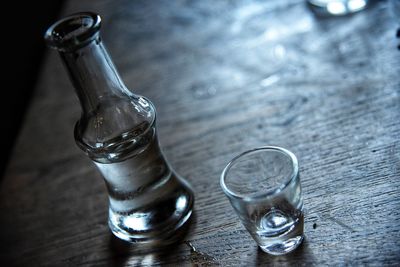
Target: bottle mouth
{"x": 73, "y": 31}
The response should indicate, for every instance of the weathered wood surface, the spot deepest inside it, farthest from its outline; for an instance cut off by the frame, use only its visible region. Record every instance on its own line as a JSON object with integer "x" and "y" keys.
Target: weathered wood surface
{"x": 225, "y": 76}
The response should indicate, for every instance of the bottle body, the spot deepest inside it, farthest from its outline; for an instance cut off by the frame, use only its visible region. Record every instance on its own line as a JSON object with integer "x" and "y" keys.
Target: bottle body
{"x": 148, "y": 201}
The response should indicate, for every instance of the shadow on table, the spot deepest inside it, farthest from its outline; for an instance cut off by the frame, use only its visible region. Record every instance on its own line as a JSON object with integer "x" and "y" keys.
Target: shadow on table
{"x": 23, "y": 26}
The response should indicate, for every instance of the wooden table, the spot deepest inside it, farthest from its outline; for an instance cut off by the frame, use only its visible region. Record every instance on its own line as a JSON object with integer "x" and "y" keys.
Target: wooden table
{"x": 225, "y": 76}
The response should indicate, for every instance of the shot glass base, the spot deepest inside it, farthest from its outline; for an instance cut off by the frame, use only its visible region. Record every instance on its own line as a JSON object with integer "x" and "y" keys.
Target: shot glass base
{"x": 282, "y": 248}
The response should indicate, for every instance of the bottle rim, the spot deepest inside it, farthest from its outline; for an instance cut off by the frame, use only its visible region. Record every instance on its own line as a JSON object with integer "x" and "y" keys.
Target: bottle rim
{"x": 73, "y": 32}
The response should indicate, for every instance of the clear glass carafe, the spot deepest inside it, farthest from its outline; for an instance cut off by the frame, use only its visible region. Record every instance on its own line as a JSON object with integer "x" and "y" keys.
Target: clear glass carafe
{"x": 148, "y": 201}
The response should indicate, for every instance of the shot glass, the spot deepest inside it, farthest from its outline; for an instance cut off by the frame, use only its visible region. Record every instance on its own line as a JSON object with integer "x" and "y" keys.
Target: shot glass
{"x": 263, "y": 186}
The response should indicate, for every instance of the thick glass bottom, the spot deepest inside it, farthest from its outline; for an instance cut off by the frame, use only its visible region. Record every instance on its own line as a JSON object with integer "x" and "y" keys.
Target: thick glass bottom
{"x": 284, "y": 247}
{"x": 156, "y": 226}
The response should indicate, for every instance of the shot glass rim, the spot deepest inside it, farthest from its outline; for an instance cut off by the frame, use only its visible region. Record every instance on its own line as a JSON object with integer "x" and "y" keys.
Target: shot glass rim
{"x": 267, "y": 193}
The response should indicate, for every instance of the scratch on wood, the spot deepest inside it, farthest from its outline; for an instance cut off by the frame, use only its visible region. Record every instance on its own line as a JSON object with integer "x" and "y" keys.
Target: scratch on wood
{"x": 342, "y": 224}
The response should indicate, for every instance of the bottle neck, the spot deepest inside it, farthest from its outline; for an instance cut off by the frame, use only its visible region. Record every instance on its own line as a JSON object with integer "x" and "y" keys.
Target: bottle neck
{"x": 93, "y": 74}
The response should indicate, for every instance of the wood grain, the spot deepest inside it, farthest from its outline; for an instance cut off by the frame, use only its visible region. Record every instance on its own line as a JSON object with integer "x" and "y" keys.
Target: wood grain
{"x": 225, "y": 76}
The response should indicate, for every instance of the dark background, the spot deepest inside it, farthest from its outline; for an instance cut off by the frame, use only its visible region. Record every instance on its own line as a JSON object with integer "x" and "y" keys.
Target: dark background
{"x": 23, "y": 26}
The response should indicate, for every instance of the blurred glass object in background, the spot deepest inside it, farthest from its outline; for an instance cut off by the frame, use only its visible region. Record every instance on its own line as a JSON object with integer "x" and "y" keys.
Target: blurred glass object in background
{"x": 337, "y": 7}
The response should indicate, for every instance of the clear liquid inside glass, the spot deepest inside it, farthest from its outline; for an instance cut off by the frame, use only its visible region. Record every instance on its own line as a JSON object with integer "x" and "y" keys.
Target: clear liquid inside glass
{"x": 276, "y": 224}
{"x": 147, "y": 201}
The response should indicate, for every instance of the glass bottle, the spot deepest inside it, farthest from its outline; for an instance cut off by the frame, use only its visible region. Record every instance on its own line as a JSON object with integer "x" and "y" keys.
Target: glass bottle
{"x": 148, "y": 201}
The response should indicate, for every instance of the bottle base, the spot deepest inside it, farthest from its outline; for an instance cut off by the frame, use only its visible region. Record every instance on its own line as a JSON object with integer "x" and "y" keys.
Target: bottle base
{"x": 160, "y": 238}
{"x": 162, "y": 224}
